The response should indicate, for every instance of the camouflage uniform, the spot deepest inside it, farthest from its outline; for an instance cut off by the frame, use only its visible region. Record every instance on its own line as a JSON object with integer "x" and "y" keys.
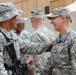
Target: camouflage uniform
{"x": 63, "y": 53}
{"x": 60, "y": 55}
{"x": 2, "y": 48}
{"x": 24, "y": 35}
{"x": 41, "y": 35}
{"x": 7, "y": 11}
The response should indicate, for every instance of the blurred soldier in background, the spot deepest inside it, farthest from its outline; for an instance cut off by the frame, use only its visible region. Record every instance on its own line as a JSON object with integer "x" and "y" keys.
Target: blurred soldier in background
{"x": 20, "y": 29}
{"x": 23, "y": 34}
{"x": 41, "y": 35}
{"x": 63, "y": 53}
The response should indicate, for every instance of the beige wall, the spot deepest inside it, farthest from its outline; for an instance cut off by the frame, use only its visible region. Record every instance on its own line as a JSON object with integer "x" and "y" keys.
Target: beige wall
{"x": 28, "y": 5}
{"x": 42, "y": 3}
{"x": 1, "y": 1}
{"x": 59, "y": 3}
{"x": 56, "y": 3}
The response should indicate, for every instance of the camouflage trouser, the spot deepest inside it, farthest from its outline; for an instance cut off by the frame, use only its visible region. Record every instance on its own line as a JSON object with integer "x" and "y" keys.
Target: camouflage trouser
{"x": 61, "y": 71}
{"x": 45, "y": 71}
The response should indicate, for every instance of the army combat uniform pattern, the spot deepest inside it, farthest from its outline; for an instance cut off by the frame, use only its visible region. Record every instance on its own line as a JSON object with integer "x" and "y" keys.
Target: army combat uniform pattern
{"x": 42, "y": 35}
{"x": 3, "y": 52}
{"x": 26, "y": 47}
{"x": 63, "y": 54}
{"x": 25, "y": 35}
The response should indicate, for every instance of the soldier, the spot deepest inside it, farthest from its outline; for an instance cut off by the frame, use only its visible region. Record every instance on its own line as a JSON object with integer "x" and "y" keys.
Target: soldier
{"x": 41, "y": 35}
{"x": 63, "y": 53}
{"x": 20, "y": 29}
{"x": 8, "y": 21}
{"x": 23, "y": 34}
{"x": 8, "y": 18}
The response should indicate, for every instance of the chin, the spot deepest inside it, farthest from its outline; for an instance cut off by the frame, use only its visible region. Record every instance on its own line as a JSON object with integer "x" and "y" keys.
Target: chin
{"x": 54, "y": 29}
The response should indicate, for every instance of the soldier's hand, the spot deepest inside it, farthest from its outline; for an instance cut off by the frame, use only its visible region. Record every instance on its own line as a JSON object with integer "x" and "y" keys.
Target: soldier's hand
{"x": 52, "y": 43}
{"x": 50, "y": 47}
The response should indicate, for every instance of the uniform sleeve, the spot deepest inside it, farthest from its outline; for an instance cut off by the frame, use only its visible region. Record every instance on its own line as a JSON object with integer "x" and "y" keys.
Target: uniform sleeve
{"x": 37, "y": 38}
{"x": 25, "y": 35}
{"x": 29, "y": 47}
{"x": 37, "y": 48}
{"x": 73, "y": 56}
{"x": 42, "y": 37}
{"x": 2, "y": 68}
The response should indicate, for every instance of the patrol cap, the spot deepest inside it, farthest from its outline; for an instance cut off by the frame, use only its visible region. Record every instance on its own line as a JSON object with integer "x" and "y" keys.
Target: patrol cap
{"x": 36, "y": 12}
{"x": 60, "y": 11}
{"x": 21, "y": 20}
{"x": 8, "y": 11}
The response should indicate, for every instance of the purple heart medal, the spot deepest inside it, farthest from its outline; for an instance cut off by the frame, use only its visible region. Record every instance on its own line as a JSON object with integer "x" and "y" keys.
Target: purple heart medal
{"x": 61, "y": 42}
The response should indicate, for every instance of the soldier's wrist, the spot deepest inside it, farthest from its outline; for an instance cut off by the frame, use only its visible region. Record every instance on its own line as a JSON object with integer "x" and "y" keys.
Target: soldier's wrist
{"x": 48, "y": 48}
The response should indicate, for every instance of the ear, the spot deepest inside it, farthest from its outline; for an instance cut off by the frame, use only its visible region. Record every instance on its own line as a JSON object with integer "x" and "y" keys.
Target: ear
{"x": 63, "y": 19}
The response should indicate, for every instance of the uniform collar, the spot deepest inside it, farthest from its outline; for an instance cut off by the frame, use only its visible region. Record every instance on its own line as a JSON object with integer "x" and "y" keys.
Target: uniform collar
{"x": 40, "y": 27}
{"x": 5, "y": 32}
{"x": 61, "y": 39}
